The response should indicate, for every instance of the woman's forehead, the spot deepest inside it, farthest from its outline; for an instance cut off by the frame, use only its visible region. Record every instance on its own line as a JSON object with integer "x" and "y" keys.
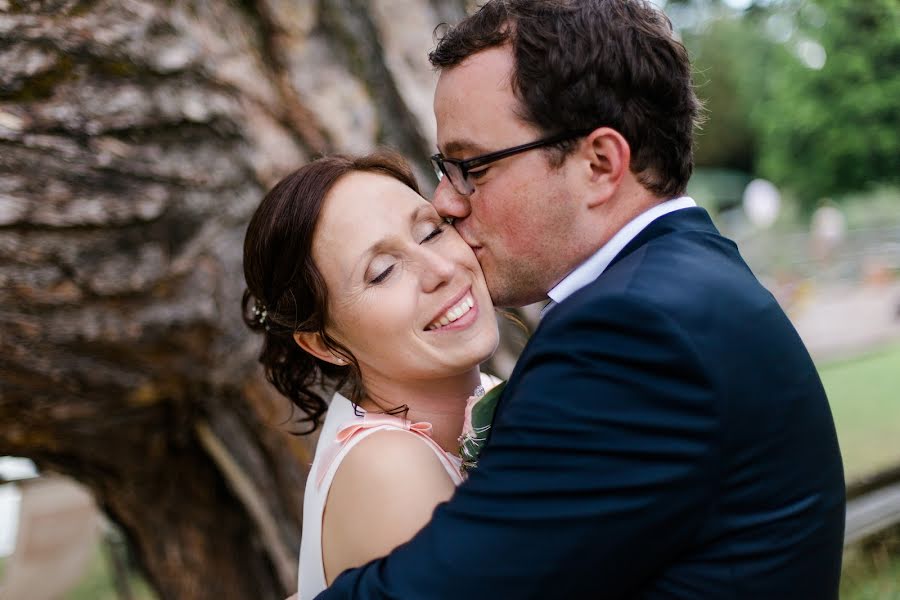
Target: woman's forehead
{"x": 361, "y": 210}
{"x": 360, "y": 196}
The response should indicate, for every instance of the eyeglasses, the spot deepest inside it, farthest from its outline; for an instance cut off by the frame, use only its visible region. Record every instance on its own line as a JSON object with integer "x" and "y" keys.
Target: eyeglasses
{"x": 459, "y": 170}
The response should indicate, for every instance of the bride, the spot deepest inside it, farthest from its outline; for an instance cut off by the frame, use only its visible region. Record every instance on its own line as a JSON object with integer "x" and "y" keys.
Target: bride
{"x": 357, "y": 284}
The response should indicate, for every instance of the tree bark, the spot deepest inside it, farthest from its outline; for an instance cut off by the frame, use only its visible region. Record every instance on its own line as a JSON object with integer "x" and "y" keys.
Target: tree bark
{"x": 136, "y": 138}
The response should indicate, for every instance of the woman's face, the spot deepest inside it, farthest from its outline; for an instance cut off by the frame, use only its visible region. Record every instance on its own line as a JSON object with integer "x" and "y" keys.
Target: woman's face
{"x": 406, "y": 294}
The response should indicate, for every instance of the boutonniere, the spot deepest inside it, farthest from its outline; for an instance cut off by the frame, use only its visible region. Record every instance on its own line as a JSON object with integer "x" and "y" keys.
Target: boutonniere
{"x": 479, "y": 417}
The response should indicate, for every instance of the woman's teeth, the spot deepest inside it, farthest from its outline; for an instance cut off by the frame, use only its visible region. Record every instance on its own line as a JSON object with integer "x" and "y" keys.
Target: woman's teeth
{"x": 464, "y": 306}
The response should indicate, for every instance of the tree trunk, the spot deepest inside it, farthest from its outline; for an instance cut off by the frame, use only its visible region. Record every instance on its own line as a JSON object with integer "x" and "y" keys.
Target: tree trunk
{"x": 136, "y": 138}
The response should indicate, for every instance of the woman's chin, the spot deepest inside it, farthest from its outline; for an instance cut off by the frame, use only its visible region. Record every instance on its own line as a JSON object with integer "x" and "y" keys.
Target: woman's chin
{"x": 477, "y": 352}
{"x": 487, "y": 344}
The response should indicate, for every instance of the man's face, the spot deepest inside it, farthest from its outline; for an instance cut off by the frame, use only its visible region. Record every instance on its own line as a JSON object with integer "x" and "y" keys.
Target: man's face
{"x": 521, "y": 216}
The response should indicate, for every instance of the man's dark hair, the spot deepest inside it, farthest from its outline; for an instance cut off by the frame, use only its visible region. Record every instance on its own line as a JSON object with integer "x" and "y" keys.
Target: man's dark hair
{"x": 582, "y": 64}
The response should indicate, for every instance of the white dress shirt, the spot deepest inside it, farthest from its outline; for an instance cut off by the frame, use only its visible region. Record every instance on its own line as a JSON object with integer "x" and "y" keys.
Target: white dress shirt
{"x": 593, "y": 267}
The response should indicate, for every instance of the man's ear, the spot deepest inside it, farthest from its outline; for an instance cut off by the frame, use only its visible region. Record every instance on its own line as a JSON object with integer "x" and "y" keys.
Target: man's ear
{"x": 609, "y": 160}
{"x": 312, "y": 342}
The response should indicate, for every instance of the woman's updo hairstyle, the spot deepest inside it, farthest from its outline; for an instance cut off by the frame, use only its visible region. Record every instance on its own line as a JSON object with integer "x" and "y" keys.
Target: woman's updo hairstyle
{"x": 285, "y": 290}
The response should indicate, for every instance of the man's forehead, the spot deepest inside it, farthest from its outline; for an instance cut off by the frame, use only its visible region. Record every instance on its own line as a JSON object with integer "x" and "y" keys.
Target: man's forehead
{"x": 492, "y": 66}
{"x": 475, "y": 106}
{"x": 475, "y": 124}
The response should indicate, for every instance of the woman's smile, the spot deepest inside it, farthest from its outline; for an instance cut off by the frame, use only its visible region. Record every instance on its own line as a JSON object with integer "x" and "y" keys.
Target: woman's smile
{"x": 461, "y": 313}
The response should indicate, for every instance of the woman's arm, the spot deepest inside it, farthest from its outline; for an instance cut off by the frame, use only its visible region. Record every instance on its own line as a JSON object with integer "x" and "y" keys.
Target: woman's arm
{"x": 383, "y": 492}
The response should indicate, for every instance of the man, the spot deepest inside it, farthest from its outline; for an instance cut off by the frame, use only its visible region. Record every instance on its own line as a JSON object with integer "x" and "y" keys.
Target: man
{"x": 664, "y": 433}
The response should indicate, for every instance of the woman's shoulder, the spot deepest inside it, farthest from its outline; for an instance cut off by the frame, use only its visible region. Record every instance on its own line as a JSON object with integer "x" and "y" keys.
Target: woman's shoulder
{"x": 389, "y": 459}
{"x": 383, "y": 492}
{"x": 381, "y": 455}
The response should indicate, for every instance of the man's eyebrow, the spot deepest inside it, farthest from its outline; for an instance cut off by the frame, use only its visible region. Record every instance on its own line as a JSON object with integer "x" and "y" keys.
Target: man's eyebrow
{"x": 461, "y": 147}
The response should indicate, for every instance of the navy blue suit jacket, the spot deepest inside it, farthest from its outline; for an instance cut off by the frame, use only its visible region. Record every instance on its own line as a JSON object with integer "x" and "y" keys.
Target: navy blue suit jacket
{"x": 663, "y": 435}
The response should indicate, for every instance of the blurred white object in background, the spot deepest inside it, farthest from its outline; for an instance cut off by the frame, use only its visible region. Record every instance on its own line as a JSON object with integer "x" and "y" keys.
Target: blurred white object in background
{"x": 10, "y": 500}
{"x": 12, "y": 468}
{"x": 811, "y": 53}
{"x": 829, "y": 225}
{"x": 762, "y": 203}
{"x": 828, "y": 229}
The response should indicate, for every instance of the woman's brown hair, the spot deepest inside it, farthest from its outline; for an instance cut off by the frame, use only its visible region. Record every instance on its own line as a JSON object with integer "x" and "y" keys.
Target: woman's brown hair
{"x": 285, "y": 290}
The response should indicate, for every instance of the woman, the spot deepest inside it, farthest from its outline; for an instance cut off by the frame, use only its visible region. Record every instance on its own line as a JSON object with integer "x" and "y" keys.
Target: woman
{"x": 356, "y": 282}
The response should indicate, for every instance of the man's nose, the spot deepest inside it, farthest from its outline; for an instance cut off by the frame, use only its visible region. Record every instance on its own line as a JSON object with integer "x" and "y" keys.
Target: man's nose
{"x": 450, "y": 203}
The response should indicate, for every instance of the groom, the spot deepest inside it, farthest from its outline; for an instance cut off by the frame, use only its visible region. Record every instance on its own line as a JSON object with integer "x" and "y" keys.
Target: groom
{"x": 664, "y": 433}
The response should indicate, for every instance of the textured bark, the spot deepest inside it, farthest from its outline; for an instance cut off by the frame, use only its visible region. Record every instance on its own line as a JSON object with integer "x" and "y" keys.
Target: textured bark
{"x": 136, "y": 138}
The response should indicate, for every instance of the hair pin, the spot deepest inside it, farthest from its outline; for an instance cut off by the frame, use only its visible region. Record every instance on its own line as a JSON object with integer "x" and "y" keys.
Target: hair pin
{"x": 260, "y": 313}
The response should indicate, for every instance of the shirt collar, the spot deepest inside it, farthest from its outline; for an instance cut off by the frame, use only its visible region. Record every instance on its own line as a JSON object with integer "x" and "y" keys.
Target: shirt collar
{"x": 594, "y": 266}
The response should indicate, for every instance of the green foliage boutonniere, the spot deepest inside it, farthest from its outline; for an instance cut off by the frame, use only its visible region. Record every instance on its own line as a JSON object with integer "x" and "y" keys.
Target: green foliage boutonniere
{"x": 478, "y": 420}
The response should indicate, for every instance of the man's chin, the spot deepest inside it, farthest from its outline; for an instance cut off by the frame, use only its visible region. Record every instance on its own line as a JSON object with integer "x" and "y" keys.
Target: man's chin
{"x": 505, "y": 294}
{"x": 503, "y": 297}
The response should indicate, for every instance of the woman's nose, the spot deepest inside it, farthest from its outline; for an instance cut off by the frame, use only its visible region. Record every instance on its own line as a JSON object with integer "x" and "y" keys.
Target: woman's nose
{"x": 437, "y": 269}
{"x": 448, "y": 202}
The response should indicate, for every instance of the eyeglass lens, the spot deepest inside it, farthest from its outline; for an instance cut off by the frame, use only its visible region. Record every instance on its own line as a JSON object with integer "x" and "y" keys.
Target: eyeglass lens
{"x": 462, "y": 184}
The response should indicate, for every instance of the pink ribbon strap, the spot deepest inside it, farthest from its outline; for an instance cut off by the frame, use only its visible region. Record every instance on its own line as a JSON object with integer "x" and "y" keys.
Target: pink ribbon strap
{"x": 367, "y": 421}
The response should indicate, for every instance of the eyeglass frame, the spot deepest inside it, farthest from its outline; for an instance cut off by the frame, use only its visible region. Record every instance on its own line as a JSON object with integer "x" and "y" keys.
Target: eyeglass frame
{"x": 438, "y": 161}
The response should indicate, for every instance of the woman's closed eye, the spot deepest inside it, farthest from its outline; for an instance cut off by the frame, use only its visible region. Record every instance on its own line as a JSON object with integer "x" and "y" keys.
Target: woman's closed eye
{"x": 384, "y": 275}
{"x": 434, "y": 233}
{"x": 381, "y": 277}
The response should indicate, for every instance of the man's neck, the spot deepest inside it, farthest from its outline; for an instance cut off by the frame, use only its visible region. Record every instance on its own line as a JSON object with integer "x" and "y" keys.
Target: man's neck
{"x": 605, "y": 226}
{"x": 595, "y": 264}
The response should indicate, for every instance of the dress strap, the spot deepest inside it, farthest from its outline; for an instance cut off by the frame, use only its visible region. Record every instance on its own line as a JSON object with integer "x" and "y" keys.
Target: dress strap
{"x": 368, "y": 422}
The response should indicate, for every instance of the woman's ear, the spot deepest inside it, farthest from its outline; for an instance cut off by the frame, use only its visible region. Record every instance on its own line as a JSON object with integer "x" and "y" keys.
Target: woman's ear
{"x": 312, "y": 342}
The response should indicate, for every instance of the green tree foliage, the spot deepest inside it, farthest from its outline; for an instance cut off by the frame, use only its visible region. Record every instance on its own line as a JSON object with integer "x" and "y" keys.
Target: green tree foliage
{"x": 829, "y": 130}
{"x": 728, "y": 54}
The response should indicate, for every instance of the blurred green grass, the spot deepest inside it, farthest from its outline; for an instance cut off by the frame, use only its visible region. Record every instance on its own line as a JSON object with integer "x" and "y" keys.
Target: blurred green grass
{"x": 97, "y": 582}
{"x": 865, "y": 399}
{"x": 872, "y": 571}
{"x": 864, "y": 394}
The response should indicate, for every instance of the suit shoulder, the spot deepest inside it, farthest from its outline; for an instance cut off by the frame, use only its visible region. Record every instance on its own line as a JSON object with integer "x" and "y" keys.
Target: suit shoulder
{"x": 683, "y": 275}
{"x": 607, "y": 321}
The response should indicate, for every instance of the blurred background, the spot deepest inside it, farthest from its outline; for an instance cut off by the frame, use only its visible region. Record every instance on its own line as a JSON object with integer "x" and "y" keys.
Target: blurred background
{"x": 141, "y": 453}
